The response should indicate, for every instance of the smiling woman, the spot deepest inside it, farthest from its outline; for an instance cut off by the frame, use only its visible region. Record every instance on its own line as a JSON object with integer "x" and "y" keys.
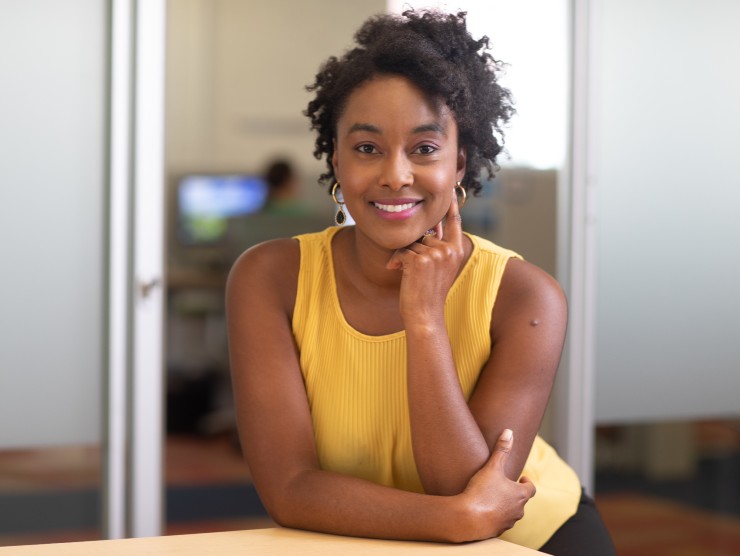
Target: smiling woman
{"x": 411, "y": 379}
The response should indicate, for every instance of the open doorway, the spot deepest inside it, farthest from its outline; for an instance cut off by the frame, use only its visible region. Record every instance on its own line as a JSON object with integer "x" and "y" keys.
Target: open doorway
{"x": 235, "y": 96}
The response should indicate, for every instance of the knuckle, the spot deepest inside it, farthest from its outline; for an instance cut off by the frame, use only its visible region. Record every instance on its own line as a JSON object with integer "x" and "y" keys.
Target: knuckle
{"x": 423, "y": 261}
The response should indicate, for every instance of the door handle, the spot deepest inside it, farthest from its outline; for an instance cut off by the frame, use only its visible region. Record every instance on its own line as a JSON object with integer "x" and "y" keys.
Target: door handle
{"x": 146, "y": 286}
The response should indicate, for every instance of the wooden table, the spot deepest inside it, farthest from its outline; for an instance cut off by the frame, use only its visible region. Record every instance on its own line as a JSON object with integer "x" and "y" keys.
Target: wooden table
{"x": 266, "y": 542}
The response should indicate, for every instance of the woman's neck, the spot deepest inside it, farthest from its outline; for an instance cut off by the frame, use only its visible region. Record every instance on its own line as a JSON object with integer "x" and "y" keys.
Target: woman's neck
{"x": 366, "y": 261}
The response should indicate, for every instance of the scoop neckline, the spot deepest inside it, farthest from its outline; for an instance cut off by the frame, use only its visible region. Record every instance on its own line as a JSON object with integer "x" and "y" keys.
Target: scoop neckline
{"x": 332, "y": 231}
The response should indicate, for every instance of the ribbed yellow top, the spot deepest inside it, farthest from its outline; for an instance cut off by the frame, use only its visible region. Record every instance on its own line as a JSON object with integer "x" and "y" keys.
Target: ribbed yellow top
{"x": 356, "y": 384}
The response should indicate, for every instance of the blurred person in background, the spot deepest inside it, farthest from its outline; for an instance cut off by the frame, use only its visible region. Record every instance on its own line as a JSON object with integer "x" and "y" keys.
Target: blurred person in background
{"x": 283, "y": 193}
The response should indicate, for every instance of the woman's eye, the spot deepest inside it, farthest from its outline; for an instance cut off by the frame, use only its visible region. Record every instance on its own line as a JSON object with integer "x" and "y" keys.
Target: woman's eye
{"x": 366, "y": 149}
{"x": 426, "y": 149}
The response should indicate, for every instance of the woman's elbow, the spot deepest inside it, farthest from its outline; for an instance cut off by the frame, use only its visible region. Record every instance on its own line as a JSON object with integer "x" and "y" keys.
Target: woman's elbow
{"x": 281, "y": 510}
{"x": 282, "y": 502}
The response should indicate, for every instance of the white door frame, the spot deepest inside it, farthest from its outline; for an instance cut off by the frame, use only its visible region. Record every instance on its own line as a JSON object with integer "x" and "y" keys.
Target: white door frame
{"x": 133, "y": 489}
{"x": 573, "y": 398}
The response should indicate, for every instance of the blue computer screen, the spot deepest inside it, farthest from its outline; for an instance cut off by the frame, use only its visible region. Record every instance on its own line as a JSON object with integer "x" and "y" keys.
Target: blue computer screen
{"x": 205, "y": 203}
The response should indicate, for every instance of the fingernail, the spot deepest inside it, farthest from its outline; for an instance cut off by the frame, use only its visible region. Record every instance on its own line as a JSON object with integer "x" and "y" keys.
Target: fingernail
{"x": 507, "y": 435}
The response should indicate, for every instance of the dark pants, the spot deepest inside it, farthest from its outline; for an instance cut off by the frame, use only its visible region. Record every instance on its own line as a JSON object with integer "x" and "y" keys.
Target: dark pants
{"x": 584, "y": 534}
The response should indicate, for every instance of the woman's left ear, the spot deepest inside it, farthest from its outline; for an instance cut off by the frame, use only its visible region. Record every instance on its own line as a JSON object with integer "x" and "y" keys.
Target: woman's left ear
{"x": 462, "y": 159}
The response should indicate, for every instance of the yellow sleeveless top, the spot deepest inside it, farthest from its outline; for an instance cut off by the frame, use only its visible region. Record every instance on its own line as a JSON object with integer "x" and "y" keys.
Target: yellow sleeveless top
{"x": 356, "y": 384}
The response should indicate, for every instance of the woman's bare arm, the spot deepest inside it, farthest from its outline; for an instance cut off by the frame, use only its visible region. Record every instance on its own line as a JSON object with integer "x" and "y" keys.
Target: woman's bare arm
{"x": 452, "y": 438}
{"x": 528, "y": 331}
{"x": 277, "y": 434}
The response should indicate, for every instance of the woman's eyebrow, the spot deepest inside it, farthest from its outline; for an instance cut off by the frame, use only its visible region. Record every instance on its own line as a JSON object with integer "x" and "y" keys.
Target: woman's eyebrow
{"x": 433, "y": 127}
{"x": 364, "y": 127}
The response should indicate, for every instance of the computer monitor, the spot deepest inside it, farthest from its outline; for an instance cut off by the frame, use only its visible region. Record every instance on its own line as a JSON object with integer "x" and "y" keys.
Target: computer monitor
{"x": 205, "y": 203}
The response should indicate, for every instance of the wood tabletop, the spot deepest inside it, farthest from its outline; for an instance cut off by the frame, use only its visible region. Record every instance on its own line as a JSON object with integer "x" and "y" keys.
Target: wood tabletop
{"x": 267, "y": 542}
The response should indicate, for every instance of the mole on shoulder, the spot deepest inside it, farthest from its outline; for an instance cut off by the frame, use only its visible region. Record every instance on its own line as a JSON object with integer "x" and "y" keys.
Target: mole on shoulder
{"x": 534, "y": 322}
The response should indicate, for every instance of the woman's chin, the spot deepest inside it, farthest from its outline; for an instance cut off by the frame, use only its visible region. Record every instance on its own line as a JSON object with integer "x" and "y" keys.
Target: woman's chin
{"x": 390, "y": 238}
{"x": 393, "y": 243}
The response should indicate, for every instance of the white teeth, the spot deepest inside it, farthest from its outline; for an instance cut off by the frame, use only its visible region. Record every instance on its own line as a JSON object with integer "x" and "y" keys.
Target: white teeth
{"x": 394, "y": 208}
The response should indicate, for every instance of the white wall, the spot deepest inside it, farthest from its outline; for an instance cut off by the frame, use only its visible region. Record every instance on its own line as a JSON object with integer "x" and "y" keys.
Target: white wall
{"x": 667, "y": 176}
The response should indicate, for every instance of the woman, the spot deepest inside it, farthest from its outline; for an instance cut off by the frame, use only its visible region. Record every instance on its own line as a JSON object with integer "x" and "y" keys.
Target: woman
{"x": 391, "y": 376}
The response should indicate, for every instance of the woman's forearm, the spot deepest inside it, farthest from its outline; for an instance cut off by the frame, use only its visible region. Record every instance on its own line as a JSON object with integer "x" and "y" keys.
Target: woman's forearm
{"x": 333, "y": 503}
{"x": 448, "y": 445}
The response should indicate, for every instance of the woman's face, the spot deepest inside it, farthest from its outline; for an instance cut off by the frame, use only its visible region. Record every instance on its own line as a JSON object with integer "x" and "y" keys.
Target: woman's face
{"x": 397, "y": 159}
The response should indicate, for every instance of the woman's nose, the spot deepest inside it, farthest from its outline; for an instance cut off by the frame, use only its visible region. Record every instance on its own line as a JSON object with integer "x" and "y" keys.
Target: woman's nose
{"x": 397, "y": 172}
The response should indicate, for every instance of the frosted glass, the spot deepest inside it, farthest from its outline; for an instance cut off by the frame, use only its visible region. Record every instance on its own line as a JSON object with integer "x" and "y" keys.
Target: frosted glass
{"x": 668, "y": 181}
{"x": 52, "y": 198}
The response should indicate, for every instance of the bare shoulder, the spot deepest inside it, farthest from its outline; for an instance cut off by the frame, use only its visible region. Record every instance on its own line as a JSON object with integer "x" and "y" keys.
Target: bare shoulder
{"x": 268, "y": 270}
{"x": 528, "y": 295}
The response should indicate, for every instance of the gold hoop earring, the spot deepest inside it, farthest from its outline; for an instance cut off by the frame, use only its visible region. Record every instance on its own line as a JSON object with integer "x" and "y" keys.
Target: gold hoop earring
{"x": 463, "y": 194}
{"x": 340, "y": 217}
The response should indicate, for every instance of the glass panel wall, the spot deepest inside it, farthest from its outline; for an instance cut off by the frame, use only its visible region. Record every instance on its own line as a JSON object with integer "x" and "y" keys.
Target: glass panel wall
{"x": 667, "y": 262}
{"x": 52, "y": 147}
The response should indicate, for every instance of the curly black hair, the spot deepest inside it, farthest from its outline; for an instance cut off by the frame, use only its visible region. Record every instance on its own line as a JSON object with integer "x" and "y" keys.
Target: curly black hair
{"x": 436, "y": 52}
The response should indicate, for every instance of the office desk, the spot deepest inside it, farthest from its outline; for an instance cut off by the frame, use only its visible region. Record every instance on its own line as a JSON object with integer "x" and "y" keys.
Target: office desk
{"x": 265, "y": 542}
